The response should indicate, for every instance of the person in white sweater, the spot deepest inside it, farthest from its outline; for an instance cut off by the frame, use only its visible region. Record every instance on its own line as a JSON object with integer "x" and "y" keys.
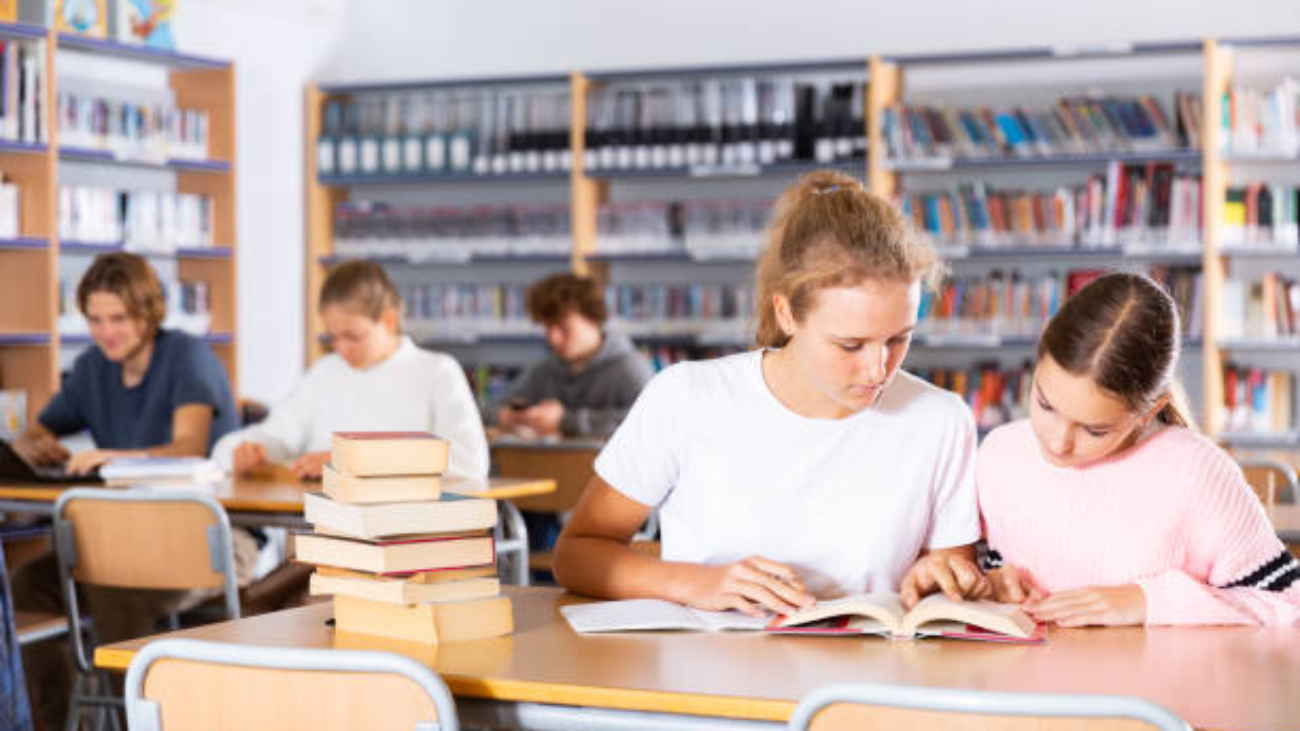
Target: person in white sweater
{"x": 375, "y": 380}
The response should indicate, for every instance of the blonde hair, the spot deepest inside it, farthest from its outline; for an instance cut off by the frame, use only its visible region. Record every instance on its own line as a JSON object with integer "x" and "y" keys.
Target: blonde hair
{"x": 362, "y": 286}
{"x": 830, "y": 232}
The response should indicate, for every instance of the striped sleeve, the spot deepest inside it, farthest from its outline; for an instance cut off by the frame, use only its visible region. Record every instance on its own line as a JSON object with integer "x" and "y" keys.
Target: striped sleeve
{"x": 1236, "y": 571}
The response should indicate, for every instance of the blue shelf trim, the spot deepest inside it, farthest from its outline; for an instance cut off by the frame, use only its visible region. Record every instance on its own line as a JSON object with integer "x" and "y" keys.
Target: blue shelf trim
{"x": 11, "y": 146}
{"x": 136, "y": 52}
{"x": 366, "y": 87}
{"x": 790, "y": 67}
{"x": 83, "y": 154}
{"x": 21, "y": 30}
{"x": 24, "y": 339}
{"x": 25, "y": 243}
{"x": 351, "y": 180}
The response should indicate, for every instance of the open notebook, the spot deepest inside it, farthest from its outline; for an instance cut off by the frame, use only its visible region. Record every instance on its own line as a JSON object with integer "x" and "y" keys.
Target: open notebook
{"x": 868, "y": 614}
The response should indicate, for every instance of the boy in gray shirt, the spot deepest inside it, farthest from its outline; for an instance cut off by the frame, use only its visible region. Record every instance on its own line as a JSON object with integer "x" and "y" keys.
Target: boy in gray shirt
{"x": 589, "y": 379}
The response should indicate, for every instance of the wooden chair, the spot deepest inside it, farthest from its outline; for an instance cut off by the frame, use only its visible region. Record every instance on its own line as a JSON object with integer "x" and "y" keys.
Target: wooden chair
{"x": 136, "y": 540}
{"x": 1272, "y": 481}
{"x": 906, "y": 708}
{"x": 211, "y": 686}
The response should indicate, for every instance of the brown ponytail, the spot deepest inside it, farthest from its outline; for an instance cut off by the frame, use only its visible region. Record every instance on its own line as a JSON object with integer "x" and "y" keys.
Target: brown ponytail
{"x": 830, "y": 232}
{"x": 1122, "y": 331}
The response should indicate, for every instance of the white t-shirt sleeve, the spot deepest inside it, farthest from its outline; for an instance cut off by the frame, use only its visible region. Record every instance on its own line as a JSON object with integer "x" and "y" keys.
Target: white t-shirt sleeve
{"x": 643, "y": 458}
{"x": 286, "y": 430}
{"x": 955, "y": 521}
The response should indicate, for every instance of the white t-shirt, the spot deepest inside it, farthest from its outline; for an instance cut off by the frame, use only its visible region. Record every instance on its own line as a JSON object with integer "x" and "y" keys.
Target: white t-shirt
{"x": 413, "y": 390}
{"x": 849, "y": 503}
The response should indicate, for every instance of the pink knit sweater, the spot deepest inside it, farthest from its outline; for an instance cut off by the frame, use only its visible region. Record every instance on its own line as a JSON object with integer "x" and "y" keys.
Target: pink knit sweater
{"x": 1172, "y": 514}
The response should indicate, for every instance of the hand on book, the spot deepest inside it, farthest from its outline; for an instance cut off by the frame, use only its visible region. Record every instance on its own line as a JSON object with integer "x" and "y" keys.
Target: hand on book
{"x": 83, "y": 463}
{"x": 755, "y": 586}
{"x": 1013, "y": 585}
{"x": 1111, "y": 606}
{"x": 950, "y": 571}
{"x": 311, "y": 466}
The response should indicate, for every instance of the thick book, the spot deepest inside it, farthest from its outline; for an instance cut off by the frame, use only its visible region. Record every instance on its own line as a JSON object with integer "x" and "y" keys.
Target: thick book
{"x": 367, "y": 454}
{"x": 426, "y": 623}
{"x": 448, "y": 514}
{"x": 349, "y": 488}
{"x": 403, "y": 556}
{"x": 867, "y": 614}
{"x": 402, "y": 589}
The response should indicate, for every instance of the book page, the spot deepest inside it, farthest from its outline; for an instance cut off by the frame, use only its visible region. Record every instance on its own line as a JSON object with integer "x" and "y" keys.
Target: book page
{"x": 632, "y": 615}
{"x": 1004, "y": 618}
{"x": 883, "y": 607}
{"x": 729, "y": 620}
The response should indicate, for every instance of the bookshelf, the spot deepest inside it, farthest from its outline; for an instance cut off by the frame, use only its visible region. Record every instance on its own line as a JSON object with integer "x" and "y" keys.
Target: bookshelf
{"x": 600, "y": 187}
{"x": 32, "y": 349}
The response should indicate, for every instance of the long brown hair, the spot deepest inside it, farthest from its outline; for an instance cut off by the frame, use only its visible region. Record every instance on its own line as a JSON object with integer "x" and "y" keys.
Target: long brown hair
{"x": 1122, "y": 332}
{"x": 830, "y": 232}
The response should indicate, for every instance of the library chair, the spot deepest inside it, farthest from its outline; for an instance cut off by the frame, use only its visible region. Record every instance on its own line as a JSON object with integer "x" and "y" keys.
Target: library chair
{"x": 878, "y": 706}
{"x": 211, "y": 686}
{"x": 1273, "y": 481}
{"x": 136, "y": 539}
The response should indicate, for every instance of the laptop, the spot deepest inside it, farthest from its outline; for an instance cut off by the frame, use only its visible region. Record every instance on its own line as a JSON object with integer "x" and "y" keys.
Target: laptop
{"x": 15, "y": 470}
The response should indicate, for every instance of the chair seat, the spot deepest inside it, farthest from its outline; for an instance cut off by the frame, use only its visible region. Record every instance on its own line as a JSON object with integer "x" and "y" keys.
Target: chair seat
{"x": 36, "y": 626}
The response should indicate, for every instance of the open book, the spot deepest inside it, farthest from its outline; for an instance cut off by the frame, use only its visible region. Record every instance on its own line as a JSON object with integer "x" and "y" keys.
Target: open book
{"x": 867, "y": 614}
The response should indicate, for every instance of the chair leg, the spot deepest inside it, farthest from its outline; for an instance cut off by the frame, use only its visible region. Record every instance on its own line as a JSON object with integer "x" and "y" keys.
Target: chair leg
{"x": 73, "y": 720}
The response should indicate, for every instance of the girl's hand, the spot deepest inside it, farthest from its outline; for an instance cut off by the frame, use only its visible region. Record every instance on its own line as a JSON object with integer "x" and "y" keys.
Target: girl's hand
{"x": 955, "y": 575}
{"x": 248, "y": 457}
{"x": 1112, "y": 606}
{"x": 1013, "y": 585}
{"x": 753, "y": 586}
{"x": 310, "y": 466}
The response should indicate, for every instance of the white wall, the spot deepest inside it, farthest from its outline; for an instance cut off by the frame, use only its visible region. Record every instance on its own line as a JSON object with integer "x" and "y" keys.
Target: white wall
{"x": 281, "y": 43}
{"x": 277, "y": 46}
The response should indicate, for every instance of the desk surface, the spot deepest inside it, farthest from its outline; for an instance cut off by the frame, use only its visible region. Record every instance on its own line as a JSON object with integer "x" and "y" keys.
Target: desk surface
{"x": 1216, "y": 678}
{"x": 280, "y": 495}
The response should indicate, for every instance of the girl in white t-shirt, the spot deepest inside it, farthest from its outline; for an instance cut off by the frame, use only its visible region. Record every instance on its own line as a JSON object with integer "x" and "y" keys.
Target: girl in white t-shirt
{"x": 375, "y": 380}
{"x": 810, "y": 467}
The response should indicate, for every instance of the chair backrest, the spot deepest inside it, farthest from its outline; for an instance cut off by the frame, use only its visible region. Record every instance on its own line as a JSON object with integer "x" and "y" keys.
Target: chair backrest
{"x": 873, "y": 706}
{"x": 571, "y": 468}
{"x": 211, "y": 686}
{"x": 141, "y": 539}
{"x": 1272, "y": 481}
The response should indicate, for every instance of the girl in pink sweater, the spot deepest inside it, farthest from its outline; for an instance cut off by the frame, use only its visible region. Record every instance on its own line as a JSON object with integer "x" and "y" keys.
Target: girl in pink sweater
{"x": 1105, "y": 507}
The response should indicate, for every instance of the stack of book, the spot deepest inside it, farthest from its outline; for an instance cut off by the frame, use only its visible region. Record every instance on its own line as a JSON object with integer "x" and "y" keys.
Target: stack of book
{"x": 401, "y": 558}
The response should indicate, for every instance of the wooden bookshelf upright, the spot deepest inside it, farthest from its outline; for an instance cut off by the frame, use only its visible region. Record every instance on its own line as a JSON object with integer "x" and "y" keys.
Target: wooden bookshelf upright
{"x": 30, "y": 342}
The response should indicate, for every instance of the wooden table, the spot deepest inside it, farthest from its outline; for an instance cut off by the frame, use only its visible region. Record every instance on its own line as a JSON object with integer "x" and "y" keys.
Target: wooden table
{"x": 545, "y": 675}
{"x": 275, "y": 499}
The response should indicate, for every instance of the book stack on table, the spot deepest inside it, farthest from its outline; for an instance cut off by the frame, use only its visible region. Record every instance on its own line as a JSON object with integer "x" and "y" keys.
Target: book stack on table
{"x": 401, "y": 558}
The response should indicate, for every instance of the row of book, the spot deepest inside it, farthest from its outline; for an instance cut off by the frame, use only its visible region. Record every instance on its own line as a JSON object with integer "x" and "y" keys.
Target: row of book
{"x": 994, "y": 394}
{"x": 702, "y": 228}
{"x": 23, "y": 82}
{"x": 673, "y": 301}
{"x": 402, "y": 557}
{"x": 1267, "y": 308}
{"x": 471, "y": 308}
{"x": 726, "y": 121}
{"x": 1262, "y": 122}
{"x": 1091, "y": 123}
{"x": 10, "y": 208}
{"x": 131, "y": 129}
{"x": 1147, "y": 205}
{"x": 483, "y": 132}
{"x": 143, "y": 220}
{"x": 1258, "y": 400}
{"x": 1260, "y": 215}
{"x": 189, "y": 307}
{"x": 429, "y": 234}
{"x": 662, "y": 356}
{"x": 1012, "y": 305}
